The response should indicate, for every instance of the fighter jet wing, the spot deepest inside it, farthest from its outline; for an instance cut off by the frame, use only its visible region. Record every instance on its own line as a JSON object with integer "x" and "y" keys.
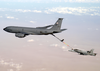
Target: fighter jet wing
{"x": 45, "y": 27}
{"x": 71, "y": 50}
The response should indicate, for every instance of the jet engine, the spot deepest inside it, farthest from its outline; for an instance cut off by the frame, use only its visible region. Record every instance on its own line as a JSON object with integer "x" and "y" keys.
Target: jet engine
{"x": 20, "y": 35}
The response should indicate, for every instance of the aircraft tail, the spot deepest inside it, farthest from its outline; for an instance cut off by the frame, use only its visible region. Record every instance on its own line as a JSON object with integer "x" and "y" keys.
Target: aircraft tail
{"x": 57, "y": 25}
{"x": 91, "y": 51}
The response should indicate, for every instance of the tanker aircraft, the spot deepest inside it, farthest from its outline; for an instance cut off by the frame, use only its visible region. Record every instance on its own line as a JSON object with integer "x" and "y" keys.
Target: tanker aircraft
{"x": 22, "y": 32}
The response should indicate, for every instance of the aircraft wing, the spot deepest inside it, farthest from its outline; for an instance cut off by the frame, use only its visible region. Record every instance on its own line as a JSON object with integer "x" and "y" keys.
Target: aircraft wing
{"x": 45, "y": 27}
{"x": 24, "y": 34}
{"x": 71, "y": 50}
{"x": 28, "y": 33}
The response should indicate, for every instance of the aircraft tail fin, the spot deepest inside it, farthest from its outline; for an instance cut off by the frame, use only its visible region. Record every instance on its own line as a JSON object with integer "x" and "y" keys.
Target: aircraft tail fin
{"x": 57, "y": 25}
{"x": 91, "y": 51}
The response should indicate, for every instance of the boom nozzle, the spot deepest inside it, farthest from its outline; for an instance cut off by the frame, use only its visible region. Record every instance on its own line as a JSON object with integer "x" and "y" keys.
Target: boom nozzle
{"x": 62, "y": 40}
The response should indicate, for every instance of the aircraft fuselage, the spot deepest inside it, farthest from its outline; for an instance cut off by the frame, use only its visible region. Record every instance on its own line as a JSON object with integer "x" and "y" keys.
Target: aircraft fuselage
{"x": 81, "y": 52}
{"x": 32, "y": 31}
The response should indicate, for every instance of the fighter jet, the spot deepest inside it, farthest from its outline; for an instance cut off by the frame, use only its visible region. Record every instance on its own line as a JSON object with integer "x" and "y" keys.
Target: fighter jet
{"x": 22, "y": 32}
{"x": 81, "y": 52}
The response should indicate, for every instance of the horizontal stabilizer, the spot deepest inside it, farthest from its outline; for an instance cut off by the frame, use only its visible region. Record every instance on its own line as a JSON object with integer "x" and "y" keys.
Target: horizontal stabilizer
{"x": 63, "y": 30}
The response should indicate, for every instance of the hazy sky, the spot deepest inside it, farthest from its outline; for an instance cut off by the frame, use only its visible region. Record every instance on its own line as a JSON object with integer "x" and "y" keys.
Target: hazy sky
{"x": 46, "y": 53}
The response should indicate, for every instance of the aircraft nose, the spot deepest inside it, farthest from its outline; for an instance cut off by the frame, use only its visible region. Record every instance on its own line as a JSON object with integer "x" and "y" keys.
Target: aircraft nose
{"x": 5, "y": 29}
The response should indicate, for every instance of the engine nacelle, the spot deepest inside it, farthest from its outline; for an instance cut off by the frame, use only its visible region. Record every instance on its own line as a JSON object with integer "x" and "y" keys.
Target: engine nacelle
{"x": 20, "y": 35}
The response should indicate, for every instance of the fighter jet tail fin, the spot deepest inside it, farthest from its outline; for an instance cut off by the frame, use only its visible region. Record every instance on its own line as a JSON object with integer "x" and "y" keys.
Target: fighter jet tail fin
{"x": 57, "y": 25}
{"x": 91, "y": 51}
